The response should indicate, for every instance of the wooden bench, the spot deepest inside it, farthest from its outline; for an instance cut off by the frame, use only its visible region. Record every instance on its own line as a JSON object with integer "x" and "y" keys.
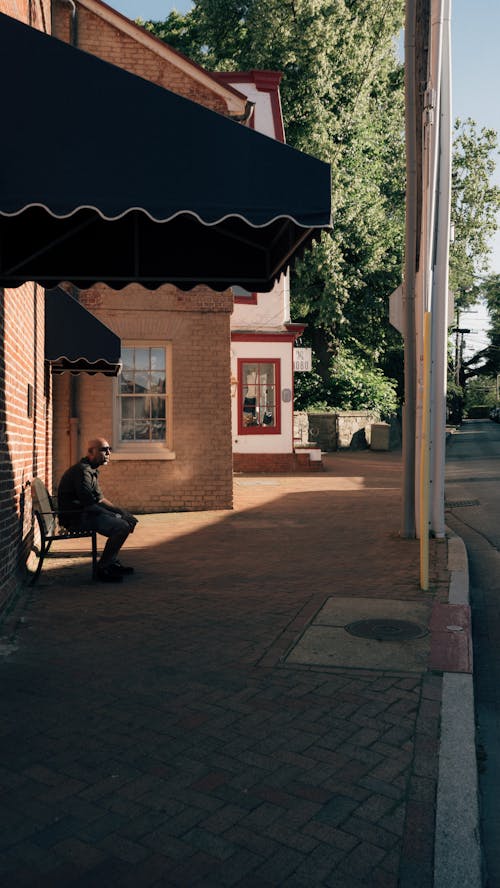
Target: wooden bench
{"x": 50, "y": 528}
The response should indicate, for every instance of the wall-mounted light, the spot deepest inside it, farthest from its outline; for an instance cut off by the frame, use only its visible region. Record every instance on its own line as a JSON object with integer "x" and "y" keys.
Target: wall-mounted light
{"x": 234, "y": 386}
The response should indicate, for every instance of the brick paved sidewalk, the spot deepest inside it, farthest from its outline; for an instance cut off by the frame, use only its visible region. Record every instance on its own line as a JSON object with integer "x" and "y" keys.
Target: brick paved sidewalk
{"x": 156, "y": 734}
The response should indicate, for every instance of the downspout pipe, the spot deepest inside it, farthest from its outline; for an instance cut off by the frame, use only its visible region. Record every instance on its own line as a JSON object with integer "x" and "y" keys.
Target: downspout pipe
{"x": 239, "y": 118}
{"x": 74, "y": 408}
{"x": 432, "y": 116}
{"x": 74, "y": 381}
{"x": 430, "y": 155}
{"x": 73, "y": 33}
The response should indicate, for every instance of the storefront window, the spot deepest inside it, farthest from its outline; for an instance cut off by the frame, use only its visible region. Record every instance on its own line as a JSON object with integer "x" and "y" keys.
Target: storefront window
{"x": 259, "y": 396}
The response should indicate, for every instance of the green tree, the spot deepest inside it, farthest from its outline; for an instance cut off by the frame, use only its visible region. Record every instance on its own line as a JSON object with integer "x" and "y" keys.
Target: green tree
{"x": 486, "y": 362}
{"x": 342, "y": 100}
{"x": 474, "y": 212}
{"x": 480, "y": 392}
{"x": 475, "y": 203}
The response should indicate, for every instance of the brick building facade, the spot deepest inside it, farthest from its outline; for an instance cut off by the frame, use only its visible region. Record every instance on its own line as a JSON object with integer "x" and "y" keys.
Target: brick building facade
{"x": 194, "y": 468}
{"x": 39, "y": 431}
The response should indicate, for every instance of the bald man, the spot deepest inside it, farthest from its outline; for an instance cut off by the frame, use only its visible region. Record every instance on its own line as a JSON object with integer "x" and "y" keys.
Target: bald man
{"x": 82, "y": 506}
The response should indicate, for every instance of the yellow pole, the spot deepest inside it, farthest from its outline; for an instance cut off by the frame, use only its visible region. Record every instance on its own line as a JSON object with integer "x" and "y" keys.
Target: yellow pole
{"x": 425, "y": 458}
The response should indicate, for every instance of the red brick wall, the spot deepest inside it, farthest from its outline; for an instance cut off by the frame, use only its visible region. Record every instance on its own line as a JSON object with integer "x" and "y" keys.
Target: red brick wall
{"x": 275, "y": 463}
{"x": 24, "y": 440}
{"x": 33, "y": 12}
{"x": 24, "y": 424}
{"x": 102, "y": 38}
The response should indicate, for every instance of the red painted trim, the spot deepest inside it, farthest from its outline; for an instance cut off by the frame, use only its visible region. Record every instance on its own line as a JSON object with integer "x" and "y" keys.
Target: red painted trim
{"x": 263, "y": 337}
{"x": 246, "y": 300}
{"x": 296, "y": 329}
{"x": 262, "y": 78}
{"x": 264, "y": 81}
{"x": 260, "y": 430}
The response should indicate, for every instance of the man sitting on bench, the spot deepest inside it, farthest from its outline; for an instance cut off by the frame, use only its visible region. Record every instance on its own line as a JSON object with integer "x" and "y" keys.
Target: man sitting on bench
{"x": 82, "y": 506}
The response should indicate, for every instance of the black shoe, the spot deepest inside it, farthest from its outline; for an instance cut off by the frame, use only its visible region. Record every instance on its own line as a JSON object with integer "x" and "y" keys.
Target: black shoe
{"x": 107, "y": 575}
{"x": 121, "y": 568}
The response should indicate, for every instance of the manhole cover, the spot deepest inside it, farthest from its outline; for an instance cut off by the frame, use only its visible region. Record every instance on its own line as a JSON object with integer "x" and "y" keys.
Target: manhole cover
{"x": 386, "y": 630}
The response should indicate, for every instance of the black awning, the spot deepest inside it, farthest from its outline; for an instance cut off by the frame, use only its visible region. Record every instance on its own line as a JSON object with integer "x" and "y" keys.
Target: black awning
{"x": 76, "y": 340}
{"x": 107, "y": 177}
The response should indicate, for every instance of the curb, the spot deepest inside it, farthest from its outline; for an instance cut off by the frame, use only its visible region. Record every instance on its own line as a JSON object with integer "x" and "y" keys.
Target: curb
{"x": 457, "y": 850}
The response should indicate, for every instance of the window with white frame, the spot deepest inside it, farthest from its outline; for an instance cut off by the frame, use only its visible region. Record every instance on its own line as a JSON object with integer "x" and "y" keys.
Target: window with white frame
{"x": 143, "y": 396}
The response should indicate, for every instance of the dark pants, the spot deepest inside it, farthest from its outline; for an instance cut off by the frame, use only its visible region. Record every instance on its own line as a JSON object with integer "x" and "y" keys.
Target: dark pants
{"x": 110, "y": 525}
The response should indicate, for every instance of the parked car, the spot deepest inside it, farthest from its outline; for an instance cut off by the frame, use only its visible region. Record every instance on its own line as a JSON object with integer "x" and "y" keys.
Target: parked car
{"x": 495, "y": 414}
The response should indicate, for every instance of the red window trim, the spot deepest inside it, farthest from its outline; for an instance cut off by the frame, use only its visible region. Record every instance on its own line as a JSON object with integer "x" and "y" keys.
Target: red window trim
{"x": 246, "y": 300}
{"x": 263, "y": 337}
{"x": 259, "y": 430}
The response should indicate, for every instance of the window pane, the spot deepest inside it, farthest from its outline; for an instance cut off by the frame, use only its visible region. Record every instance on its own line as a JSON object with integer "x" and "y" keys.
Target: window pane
{"x": 250, "y": 373}
{"x": 158, "y": 430}
{"x": 126, "y": 431}
{"x": 266, "y": 373}
{"x": 126, "y": 383}
{"x": 128, "y": 358}
{"x": 268, "y": 418}
{"x": 141, "y": 383}
{"x": 141, "y": 408}
{"x": 142, "y": 358}
{"x": 127, "y": 408}
{"x": 142, "y": 431}
{"x": 157, "y": 383}
{"x": 158, "y": 408}
{"x": 158, "y": 359}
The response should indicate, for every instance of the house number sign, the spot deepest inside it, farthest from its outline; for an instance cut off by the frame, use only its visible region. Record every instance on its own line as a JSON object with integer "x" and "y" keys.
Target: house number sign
{"x": 302, "y": 360}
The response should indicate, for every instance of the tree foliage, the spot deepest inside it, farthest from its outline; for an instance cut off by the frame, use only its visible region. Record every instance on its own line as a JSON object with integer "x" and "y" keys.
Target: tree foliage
{"x": 486, "y": 361}
{"x": 342, "y": 101}
{"x": 353, "y": 385}
{"x": 475, "y": 203}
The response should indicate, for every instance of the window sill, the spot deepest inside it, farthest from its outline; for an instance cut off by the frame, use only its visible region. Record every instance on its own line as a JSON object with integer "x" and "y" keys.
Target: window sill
{"x": 137, "y": 455}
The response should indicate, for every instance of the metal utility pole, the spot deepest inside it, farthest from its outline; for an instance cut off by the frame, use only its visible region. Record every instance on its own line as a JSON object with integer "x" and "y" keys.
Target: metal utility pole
{"x": 425, "y": 290}
{"x": 417, "y": 39}
{"x": 459, "y": 348}
{"x": 412, "y": 227}
{"x": 440, "y": 268}
{"x": 459, "y": 352}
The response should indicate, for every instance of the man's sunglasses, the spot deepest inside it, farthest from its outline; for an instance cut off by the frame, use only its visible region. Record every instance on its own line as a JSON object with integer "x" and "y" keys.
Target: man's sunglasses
{"x": 105, "y": 449}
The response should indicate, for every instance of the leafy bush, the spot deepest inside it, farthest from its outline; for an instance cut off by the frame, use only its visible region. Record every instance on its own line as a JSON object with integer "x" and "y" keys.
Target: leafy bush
{"x": 353, "y": 385}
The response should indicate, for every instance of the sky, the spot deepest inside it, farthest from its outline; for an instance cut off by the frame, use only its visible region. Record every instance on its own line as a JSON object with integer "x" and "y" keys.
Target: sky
{"x": 475, "y": 29}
